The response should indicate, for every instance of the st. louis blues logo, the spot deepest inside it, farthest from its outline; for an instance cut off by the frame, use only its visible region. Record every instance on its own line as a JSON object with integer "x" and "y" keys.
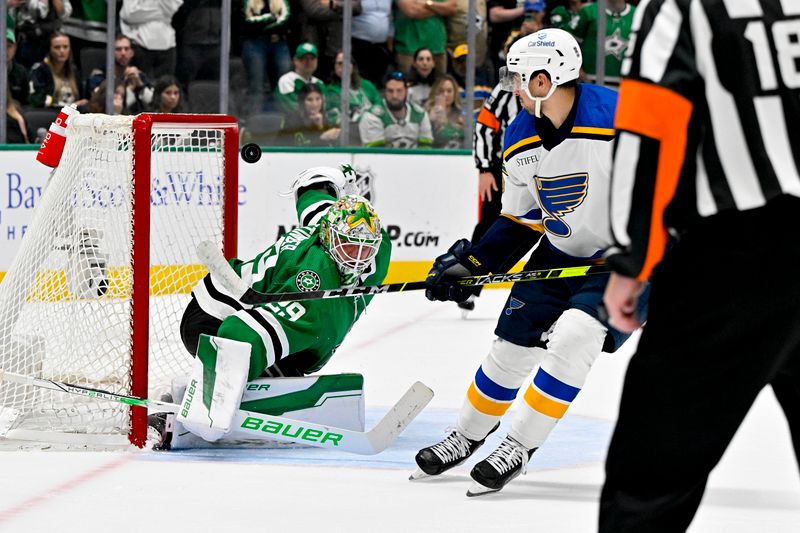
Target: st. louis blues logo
{"x": 513, "y": 305}
{"x": 559, "y": 196}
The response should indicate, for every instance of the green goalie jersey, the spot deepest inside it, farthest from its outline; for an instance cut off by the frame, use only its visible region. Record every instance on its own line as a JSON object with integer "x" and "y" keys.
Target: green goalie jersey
{"x": 299, "y": 336}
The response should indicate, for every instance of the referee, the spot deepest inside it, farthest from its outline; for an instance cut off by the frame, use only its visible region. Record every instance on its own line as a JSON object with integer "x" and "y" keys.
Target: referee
{"x": 708, "y": 151}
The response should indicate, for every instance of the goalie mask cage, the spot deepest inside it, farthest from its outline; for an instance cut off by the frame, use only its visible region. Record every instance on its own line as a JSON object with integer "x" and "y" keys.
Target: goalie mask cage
{"x": 96, "y": 292}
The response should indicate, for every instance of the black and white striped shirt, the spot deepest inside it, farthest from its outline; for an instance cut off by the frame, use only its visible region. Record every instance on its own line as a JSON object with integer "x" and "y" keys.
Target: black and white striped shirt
{"x": 708, "y": 119}
{"x": 487, "y": 142}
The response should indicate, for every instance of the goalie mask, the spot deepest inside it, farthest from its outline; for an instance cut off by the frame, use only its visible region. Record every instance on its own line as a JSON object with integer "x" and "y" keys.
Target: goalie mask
{"x": 351, "y": 233}
{"x": 553, "y": 51}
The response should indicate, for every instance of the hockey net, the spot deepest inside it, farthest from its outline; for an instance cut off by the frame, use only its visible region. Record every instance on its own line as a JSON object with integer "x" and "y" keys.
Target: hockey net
{"x": 96, "y": 292}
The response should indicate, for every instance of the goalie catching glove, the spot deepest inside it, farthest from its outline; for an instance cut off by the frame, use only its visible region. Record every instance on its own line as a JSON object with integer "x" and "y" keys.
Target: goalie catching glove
{"x": 458, "y": 262}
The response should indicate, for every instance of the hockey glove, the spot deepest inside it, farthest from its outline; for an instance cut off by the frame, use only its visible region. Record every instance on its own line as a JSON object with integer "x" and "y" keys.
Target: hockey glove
{"x": 456, "y": 263}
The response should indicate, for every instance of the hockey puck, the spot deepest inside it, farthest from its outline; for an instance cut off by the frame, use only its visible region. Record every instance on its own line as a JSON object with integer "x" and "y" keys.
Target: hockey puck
{"x": 251, "y": 153}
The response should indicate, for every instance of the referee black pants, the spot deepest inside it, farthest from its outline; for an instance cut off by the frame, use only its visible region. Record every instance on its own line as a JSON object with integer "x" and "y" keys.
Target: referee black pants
{"x": 724, "y": 322}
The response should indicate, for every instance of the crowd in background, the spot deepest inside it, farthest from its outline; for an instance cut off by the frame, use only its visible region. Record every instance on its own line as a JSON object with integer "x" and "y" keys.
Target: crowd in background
{"x": 408, "y": 62}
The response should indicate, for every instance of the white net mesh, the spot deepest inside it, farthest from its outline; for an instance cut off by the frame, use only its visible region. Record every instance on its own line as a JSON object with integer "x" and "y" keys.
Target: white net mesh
{"x": 65, "y": 304}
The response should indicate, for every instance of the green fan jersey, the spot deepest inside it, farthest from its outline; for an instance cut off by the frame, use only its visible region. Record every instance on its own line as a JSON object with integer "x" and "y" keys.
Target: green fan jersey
{"x": 307, "y": 332}
{"x": 561, "y": 18}
{"x": 618, "y": 31}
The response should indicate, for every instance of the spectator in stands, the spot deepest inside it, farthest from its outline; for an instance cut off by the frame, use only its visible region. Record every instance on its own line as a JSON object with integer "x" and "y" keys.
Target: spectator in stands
{"x": 87, "y": 25}
{"x": 35, "y": 21}
{"x": 457, "y": 34}
{"x": 362, "y": 95}
{"x": 619, "y": 18}
{"x": 321, "y": 24}
{"x": 197, "y": 28}
{"x": 418, "y": 25}
{"x": 371, "y": 31}
{"x": 167, "y": 97}
{"x": 533, "y": 21}
{"x": 396, "y": 122}
{"x": 16, "y": 127}
{"x": 148, "y": 24}
{"x": 289, "y": 85}
{"x": 505, "y": 16}
{"x": 307, "y": 125}
{"x": 565, "y": 15}
{"x": 265, "y": 50}
{"x": 54, "y": 81}
{"x": 138, "y": 88}
{"x": 458, "y": 70}
{"x": 97, "y": 102}
{"x": 421, "y": 76}
{"x": 17, "y": 74}
{"x": 446, "y": 115}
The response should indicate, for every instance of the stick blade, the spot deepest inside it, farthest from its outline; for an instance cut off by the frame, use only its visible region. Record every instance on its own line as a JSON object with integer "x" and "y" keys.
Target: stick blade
{"x": 211, "y": 256}
{"x": 416, "y": 398}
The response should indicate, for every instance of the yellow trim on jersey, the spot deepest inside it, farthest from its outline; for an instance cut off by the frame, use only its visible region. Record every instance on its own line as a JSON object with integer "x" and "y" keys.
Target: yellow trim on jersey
{"x": 484, "y": 405}
{"x": 534, "y": 227}
{"x": 523, "y": 142}
{"x": 542, "y": 404}
{"x": 594, "y": 131}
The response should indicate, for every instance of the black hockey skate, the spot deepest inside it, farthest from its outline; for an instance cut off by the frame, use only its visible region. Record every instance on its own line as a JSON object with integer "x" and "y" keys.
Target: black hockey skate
{"x": 452, "y": 451}
{"x": 509, "y": 460}
{"x": 163, "y": 424}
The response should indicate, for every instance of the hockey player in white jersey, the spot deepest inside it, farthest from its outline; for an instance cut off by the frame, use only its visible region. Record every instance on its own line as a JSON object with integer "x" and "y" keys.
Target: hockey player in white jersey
{"x": 557, "y": 158}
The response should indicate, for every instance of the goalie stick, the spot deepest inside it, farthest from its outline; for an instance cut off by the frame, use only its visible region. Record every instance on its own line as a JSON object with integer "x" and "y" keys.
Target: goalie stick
{"x": 216, "y": 264}
{"x": 269, "y": 427}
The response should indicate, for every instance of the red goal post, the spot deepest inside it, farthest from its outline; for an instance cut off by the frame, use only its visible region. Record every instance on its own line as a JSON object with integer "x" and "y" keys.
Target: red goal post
{"x": 143, "y": 127}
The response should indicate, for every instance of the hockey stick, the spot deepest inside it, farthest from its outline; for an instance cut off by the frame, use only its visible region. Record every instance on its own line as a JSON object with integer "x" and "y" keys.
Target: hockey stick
{"x": 214, "y": 261}
{"x": 154, "y": 405}
{"x": 274, "y": 427}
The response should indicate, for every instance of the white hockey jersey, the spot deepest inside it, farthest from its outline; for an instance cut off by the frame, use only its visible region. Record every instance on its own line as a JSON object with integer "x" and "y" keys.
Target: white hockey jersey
{"x": 562, "y": 190}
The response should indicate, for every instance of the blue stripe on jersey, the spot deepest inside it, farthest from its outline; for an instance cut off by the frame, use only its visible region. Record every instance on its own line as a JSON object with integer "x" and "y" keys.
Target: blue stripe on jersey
{"x": 554, "y": 387}
{"x": 492, "y": 389}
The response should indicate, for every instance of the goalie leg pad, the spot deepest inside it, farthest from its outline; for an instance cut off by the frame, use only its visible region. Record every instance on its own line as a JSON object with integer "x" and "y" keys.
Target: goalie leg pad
{"x": 215, "y": 388}
{"x": 495, "y": 386}
{"x": 574, "y": 343}
{"x": 335, "y": 400}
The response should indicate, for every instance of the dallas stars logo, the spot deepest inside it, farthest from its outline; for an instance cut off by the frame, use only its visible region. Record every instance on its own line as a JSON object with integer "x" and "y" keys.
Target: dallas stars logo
{"x": 616, "y": 44}
{"x": 307, "y": 281}
{"x": 362, "y": 214}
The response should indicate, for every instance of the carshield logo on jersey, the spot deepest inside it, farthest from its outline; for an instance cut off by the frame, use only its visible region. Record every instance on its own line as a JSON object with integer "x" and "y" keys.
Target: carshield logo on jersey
{"x": 307, "y": 281}
{"x": 513, "y": 305}
{"x": 559, "y": 196}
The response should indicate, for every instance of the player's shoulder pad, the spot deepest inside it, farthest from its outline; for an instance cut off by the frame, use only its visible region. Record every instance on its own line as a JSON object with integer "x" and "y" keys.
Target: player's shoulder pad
{"x": 521, "y": 128}
{"x": 596, "y": 107}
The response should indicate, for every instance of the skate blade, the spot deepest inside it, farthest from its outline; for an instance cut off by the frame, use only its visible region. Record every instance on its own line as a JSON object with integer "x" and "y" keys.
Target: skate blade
{"x": 418, "y": 474}
{"x": 476, "y": 489}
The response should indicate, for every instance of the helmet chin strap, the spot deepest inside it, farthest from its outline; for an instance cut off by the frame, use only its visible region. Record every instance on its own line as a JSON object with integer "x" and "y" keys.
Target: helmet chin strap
{"x": 537, "y": 101}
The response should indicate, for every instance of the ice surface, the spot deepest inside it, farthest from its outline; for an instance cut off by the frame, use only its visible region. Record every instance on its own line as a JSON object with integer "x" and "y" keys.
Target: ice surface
{"x": 402, "y": 338}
